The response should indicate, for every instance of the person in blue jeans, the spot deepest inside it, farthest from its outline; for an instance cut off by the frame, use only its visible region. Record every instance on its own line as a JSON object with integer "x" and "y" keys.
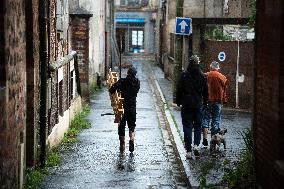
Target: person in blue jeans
{"x": 192, "y": 94}
{"x": 217, "y": 87}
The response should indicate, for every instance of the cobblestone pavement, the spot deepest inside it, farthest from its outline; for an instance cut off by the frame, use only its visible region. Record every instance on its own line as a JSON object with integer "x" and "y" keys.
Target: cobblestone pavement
{"x": 95, "y": 161}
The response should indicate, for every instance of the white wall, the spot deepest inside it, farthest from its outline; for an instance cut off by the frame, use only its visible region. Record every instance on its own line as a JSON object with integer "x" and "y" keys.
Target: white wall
{"x": 64, "y": 123}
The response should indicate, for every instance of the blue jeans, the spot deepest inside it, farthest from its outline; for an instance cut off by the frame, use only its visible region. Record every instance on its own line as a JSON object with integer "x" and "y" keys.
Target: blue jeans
{"x": 212, "y": 113}
{"x": 191, "y": 118}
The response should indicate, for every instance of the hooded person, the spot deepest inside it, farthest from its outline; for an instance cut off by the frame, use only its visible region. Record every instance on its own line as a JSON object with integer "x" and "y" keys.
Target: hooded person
{"x": 128, "y": 87}
{"x": 192, "y": 94}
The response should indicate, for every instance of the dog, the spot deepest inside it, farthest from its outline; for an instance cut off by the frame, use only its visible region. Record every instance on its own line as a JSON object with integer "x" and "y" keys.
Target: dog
{"x": 218, "y": 139}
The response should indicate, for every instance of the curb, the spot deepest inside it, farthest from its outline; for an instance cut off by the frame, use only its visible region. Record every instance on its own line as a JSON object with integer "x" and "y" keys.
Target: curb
{"x": 178, "y": 142}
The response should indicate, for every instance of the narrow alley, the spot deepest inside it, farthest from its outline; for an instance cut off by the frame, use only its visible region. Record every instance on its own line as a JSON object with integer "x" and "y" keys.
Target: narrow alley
{"x": 159, "y": 157}
{"x": 57, "y": 127}
{"x": 95, "y": 161}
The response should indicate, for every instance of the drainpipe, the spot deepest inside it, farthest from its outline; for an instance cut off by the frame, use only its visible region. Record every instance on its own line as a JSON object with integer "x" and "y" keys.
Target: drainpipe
{"x": 43, "y": 78}
{"x": 178, "y": 50}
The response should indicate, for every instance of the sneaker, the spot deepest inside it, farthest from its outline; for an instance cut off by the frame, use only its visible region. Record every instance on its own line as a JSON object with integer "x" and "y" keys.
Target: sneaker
{"x": 196, "y": 151}
{"x": 188, "y": 155}
{"x": 205, "y": 142}
{"x": 131, "y": 145}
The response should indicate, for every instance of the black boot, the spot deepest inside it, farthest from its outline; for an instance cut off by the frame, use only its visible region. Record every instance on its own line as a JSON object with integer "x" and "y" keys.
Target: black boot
{"x": 122, "y": 143}
{"x": 131, "y": 145}
{"x": 131, "y": 141}
{"x": 205, "y": 142}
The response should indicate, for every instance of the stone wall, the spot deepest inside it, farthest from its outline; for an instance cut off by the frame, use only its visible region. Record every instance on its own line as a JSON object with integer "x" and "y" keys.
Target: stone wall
{"x": 217, "y": 8}
{"x": 269, "y": 95}
{"x": 13, "y": 92}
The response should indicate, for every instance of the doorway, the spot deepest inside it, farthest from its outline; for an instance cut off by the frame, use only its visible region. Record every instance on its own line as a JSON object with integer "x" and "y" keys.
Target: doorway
{"x": 136, "y": 39}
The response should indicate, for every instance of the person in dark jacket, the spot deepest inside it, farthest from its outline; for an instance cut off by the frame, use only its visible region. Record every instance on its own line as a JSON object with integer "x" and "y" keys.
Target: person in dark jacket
{"x": 192, "y": 94}
{"x": 129, "y": 88}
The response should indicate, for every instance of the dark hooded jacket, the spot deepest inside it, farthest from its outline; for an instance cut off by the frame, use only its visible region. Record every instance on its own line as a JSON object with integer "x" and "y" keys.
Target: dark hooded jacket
{"x": 129, "y": 88}
{"x": 192, "y": 89}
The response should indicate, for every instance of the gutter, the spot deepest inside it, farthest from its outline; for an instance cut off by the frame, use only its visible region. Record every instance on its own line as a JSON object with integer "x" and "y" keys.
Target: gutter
{"x": 43, "y": 78}
{"x": 65, "y": 60}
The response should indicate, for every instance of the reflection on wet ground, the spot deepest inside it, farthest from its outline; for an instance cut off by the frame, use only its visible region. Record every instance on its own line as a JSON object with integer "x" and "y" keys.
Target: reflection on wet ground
{"x": 95, "y": 161}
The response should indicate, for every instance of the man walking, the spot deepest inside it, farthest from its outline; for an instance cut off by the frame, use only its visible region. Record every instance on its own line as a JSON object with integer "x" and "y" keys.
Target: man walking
{"x": 129, "y": 88}
{"x": 192, "y": 93}
{"x": 217, "y": 89}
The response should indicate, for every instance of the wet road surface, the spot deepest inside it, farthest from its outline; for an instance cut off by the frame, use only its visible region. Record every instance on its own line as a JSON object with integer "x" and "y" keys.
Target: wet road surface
{"x": 95, "y": 161}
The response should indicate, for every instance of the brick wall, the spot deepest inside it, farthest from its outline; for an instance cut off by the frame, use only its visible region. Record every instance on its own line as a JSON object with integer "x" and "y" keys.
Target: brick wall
{"x": 268, "y": 113}
{"x": 14, "y": 100}
{"x": 228, "y": 68}
{"x": 80, "y": 43}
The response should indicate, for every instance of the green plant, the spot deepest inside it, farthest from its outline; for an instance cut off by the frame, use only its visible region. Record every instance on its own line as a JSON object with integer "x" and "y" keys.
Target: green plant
{"x": 79, "y": 122}
{"x": 53, "y": 159}
{"x": 243, "y": 175}
{"x": 204, "y": 171}
{"x": 34, "y": 177}
{"x": 252, "y": 17}
{"x": 217, "y": 34}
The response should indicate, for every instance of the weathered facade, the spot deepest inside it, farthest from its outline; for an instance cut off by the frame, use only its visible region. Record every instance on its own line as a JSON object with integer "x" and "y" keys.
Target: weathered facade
{"x": 205, "y": 15}
{"x": 13, "y": 90}
{"x": 39, "y": 84}
{"x": 96, "y": 47}
{"x": 268, "y": 123}
{"x": 80, "y": 42}
{"x": 61, "y": 82}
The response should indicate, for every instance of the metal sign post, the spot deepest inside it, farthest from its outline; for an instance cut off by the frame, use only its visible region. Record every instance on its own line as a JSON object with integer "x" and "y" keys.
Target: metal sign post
{"x": 237, "y": 71}
{"x": 120, "y": 52}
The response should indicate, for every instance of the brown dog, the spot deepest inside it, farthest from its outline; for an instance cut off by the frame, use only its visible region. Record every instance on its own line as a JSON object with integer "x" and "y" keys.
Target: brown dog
{"x": 217, "y": 140}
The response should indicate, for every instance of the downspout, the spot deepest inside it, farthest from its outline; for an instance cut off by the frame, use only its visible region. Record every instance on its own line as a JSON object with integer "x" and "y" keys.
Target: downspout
{"x": 43, "y": 78}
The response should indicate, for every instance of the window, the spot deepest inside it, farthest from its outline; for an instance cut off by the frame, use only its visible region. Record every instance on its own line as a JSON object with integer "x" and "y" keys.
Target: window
{"x": 136, "y": 40}
{"x": 122, "y": 2}
{"x": 60, "y": 93}
{"x": 133, "y": 3}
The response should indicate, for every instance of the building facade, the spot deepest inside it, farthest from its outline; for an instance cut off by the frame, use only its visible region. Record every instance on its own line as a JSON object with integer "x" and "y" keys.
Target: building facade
{"x": 135, "y": 24}
{"x": 96, "y": 37}
{"x": 39, "y": 84}
{"x": 268, "y": 123}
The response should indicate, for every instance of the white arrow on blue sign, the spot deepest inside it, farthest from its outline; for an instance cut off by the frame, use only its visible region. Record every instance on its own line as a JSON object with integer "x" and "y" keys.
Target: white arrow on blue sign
{"x": 221, "y": 56}
{"x": 183, "y": 26}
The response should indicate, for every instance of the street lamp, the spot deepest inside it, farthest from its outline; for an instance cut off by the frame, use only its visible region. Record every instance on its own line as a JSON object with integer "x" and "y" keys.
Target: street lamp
{"x": 120, "y": 52}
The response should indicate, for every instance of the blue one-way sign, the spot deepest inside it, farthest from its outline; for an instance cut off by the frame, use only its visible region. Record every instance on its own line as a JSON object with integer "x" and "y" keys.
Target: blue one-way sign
{"x": 183, "y": 26}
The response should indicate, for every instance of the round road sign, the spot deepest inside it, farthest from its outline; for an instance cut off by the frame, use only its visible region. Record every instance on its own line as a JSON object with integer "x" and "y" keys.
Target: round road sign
{"x": 222, "y": 56}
